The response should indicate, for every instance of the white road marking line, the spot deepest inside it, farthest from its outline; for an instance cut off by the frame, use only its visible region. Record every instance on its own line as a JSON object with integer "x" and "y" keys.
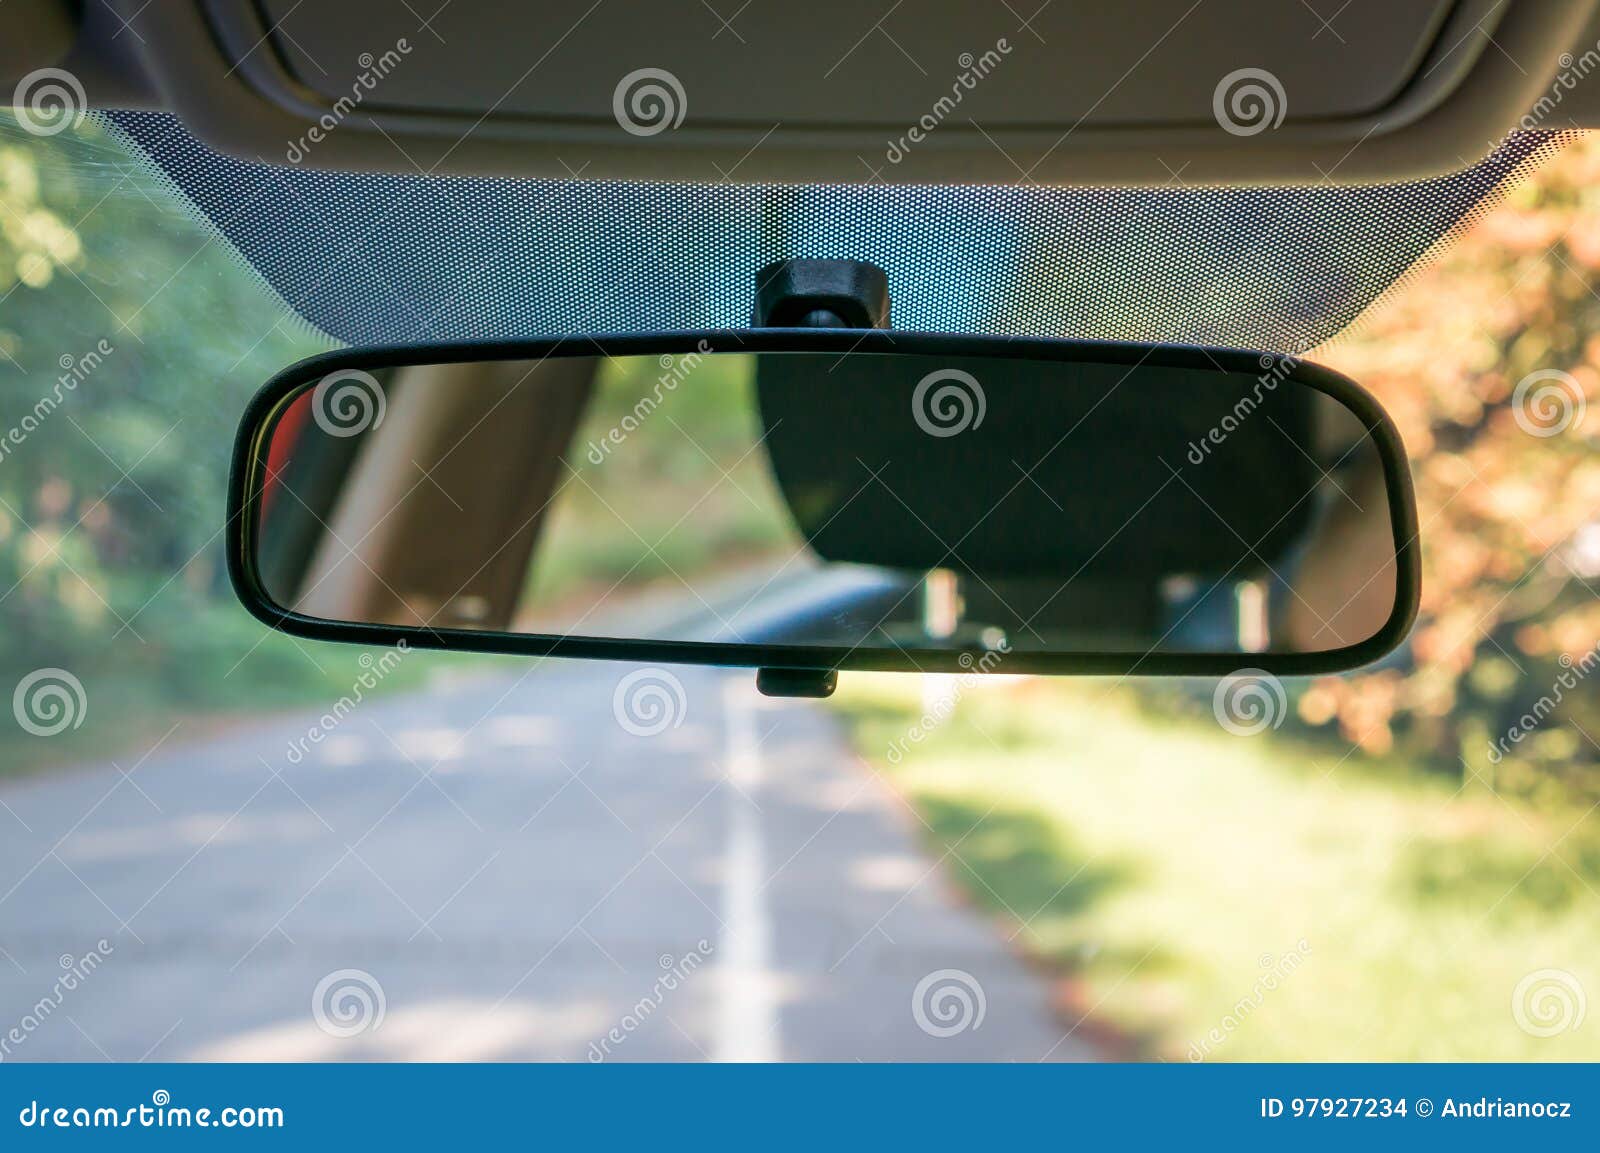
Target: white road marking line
{"x": 747, "y": 1018}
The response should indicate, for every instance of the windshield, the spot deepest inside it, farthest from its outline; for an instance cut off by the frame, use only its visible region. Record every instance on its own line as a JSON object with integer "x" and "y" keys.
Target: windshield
{"x": 247, "y": 846}
{"x": 391, "y": 259}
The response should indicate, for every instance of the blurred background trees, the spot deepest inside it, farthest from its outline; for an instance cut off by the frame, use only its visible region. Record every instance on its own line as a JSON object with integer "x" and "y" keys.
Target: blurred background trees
{"x": 1508, "y": 491}
{"x": 130, "y": 339}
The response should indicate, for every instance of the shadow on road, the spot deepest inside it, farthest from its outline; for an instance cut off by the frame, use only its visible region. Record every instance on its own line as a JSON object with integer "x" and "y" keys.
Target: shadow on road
{"x": 507, "y": 867}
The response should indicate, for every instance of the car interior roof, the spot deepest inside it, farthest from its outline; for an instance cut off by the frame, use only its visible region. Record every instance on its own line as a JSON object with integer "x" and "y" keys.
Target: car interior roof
{"x": 1371, "y": 90}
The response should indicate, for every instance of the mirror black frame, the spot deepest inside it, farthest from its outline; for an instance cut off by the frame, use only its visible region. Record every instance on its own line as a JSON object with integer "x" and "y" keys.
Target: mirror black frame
{"x": 267, "y": 406}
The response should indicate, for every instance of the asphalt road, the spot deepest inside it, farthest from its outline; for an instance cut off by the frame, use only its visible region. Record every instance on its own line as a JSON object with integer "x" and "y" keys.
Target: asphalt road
{"x": 499, "y": 868}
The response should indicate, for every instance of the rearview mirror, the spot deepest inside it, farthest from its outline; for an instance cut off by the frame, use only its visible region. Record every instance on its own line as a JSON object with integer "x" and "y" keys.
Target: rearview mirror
{"x": 829, "y": 499}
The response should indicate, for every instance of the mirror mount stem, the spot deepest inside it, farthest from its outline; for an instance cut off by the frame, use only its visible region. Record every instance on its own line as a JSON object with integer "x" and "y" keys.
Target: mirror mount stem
{"x": 814, "y": 683}
{"x": 821, "y": 294}
{"x": 816, "y": 294}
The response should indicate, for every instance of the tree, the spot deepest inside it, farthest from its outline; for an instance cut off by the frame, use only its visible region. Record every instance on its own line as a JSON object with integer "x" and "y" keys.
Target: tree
{"x": 1489, "y": 360}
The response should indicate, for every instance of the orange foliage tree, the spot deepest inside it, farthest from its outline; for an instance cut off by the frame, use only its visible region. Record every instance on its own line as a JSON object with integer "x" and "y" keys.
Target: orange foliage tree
{"x": 1488, "y": 358}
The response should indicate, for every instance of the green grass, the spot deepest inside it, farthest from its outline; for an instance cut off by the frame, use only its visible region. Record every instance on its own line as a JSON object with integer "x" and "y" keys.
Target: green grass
{"x": 1168, "y": 871}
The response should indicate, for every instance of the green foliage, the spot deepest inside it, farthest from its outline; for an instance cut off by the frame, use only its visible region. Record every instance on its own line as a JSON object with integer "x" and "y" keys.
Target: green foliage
{"x": 670, "y": 479}
{"x": 130, "y": 338}
{"x": 1163, "y": 868}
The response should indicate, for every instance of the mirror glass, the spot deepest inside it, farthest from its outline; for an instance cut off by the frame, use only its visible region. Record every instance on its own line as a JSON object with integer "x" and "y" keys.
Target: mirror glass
{"x": 866, "y": 500}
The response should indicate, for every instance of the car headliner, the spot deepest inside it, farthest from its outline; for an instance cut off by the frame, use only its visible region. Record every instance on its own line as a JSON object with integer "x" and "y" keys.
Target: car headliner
{"x": 384, "y": 259}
